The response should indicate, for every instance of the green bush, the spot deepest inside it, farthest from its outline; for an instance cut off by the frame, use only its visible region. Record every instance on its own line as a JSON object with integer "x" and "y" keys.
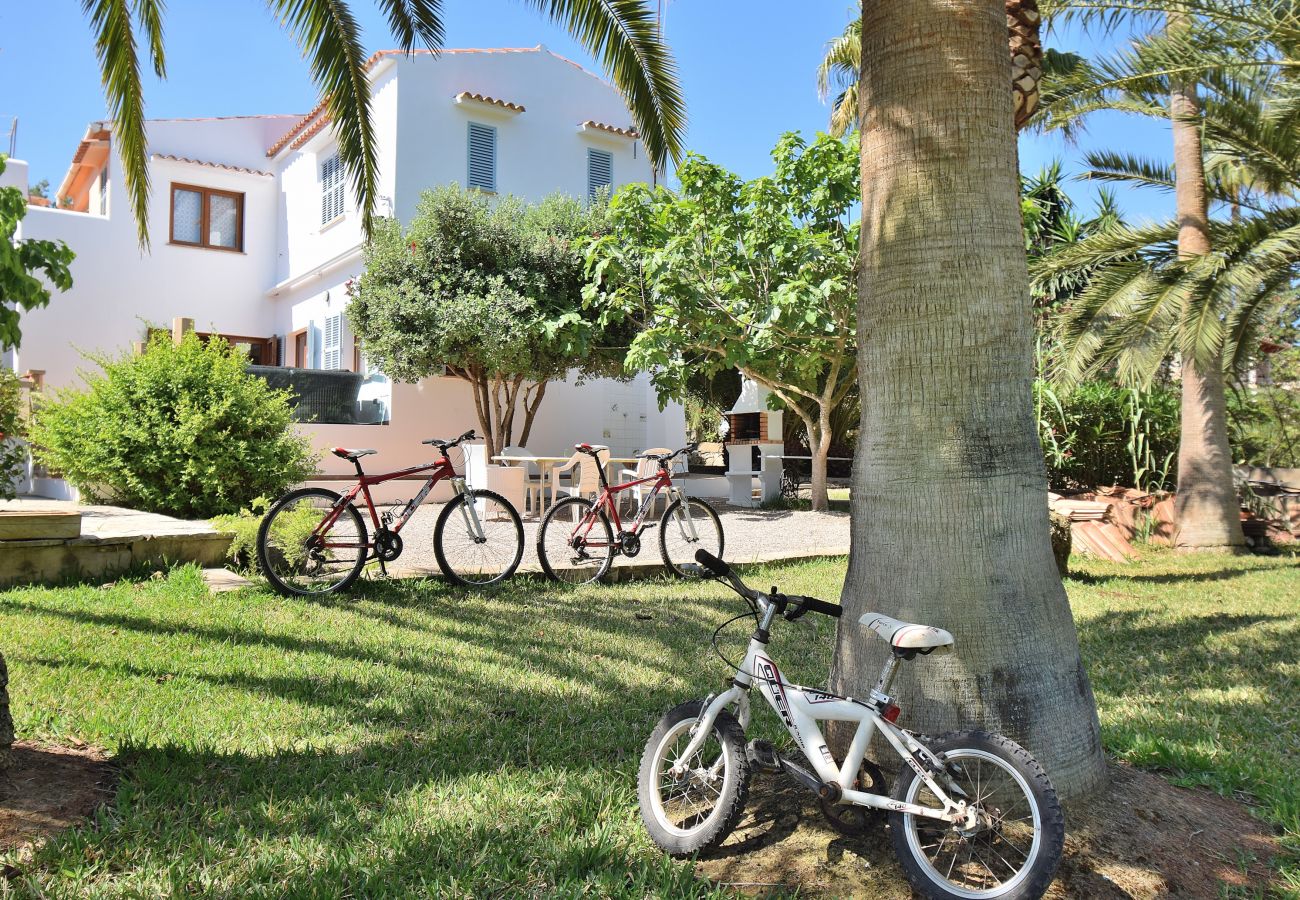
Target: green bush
{"x": 1100, "y": 434}
{"x": 1264, "y": 422}
{"x": 180, "y": 429}
{"x": 13, "y": 453}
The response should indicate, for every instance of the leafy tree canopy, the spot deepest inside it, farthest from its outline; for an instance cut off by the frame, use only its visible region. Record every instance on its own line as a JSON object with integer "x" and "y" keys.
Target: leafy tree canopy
{"x": 752, "y": 275}
{"x": 490, "y": 290}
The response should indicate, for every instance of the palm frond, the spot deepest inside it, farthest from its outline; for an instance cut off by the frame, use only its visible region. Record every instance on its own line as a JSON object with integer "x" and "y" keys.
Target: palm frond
{"x": 330, "y": 38}
{"x": 624, "y": 36}
{"x": 119, "y": 66}
{"x": 149, "y": 14}
{"x": 415, "y": 21}
{"x": 840, "y": 67}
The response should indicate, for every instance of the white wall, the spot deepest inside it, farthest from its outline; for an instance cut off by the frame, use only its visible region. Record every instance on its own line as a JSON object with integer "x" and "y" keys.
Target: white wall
{"x": 293, "y": 272}
{"x": 539, "y": 151}
{"x": 118, "y": 287}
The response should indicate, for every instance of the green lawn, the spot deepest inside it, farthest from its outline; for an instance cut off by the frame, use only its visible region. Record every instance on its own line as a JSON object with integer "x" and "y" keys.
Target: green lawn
{"x": 418, "y": 738}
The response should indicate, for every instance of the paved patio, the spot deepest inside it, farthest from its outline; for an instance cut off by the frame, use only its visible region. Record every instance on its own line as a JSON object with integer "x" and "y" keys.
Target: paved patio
{"x": 751, "y": 535}
{"x": 112, "y": 540}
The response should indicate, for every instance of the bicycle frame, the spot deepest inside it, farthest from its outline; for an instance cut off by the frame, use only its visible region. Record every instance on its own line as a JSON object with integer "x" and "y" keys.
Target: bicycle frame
{"x": 662, "y": 480}
{"x": 440, "y": 470}
{"x": 801, "y": 708}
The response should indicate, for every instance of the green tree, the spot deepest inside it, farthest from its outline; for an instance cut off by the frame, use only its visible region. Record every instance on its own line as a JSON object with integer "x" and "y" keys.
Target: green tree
{"x": 622, "y": 34}
{"x": 945, "y": 365}
{"x": 22, "y": 265}
{"x": 1193, "y": 287}
{"x": 180, "y": 429}
{"x": 490, "y": 290}
{"x": 755, "y": 276}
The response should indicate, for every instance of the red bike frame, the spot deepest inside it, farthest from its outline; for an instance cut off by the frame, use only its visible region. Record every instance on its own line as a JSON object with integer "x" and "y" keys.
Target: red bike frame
{"x": 662, "y": 479}
{"x": 442, "y": 469}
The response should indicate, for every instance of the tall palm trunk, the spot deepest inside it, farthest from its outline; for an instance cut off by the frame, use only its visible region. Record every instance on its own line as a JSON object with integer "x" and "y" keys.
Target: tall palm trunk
{"x": 950, "y": 522}
{"x": 1205, "y": 507}
{"x": 6, "y": 720}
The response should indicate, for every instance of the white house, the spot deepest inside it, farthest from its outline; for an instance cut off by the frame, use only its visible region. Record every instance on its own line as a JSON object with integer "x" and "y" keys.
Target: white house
{"x": 253, "y": 235}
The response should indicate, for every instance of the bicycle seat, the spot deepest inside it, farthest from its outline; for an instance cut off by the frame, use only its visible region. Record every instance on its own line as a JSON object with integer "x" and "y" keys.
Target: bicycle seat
{"x": 589, "y": 449}
{"x": 351, "y": 455}
{"x": 905, "y": 635}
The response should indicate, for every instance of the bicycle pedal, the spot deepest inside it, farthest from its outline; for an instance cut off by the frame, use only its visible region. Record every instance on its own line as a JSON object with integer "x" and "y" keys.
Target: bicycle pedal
{"x": 763, "y": 755}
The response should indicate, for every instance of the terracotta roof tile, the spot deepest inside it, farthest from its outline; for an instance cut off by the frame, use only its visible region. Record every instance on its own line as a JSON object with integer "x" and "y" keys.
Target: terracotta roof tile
{"x": 610, "y": 129}
{"x": 211, "y": 165}
{"x": 490, "y": 101}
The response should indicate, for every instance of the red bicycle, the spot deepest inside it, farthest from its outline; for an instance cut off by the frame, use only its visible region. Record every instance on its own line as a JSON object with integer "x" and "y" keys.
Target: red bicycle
{"x": 577, "y": 541}
{"x": 313, "y": 541}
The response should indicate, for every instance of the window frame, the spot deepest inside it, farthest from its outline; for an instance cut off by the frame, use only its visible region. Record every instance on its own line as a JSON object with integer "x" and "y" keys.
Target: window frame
{"x": 338, "y": 186}
{"x": 205, "y": 217}
{"x": 469, "y": 156}
{"x": 591, "y": 155}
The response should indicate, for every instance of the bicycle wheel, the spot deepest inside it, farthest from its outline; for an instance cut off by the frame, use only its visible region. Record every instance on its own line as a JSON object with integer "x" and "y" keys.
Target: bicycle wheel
{"x": 697, "y": 807}
{"x": 1015, "y": 846}
{"x": 471, "y": 560}
{"x": 688, "y": 524}
{"x": 296, "y": 558}
{"x": 575, "y": 545}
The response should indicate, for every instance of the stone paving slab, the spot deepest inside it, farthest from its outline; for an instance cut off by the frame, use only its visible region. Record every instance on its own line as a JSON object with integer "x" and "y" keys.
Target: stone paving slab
{"x": 113, "y": 539}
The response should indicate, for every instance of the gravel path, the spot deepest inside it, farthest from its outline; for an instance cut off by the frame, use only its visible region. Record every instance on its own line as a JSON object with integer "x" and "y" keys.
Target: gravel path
{"x": 752, "y": 535}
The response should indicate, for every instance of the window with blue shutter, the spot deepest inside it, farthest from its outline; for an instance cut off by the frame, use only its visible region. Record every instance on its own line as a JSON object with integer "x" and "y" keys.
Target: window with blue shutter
{"x": 600, "y": 172}
{"x": 482, "y": 157}
{"x": 331, "y": 189}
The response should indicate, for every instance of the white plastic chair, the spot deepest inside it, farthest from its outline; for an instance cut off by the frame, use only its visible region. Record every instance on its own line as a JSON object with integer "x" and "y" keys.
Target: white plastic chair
{"x": 645, "y": 468}
{"x": 587, "y": 482}
{"x": 532, "y": 480}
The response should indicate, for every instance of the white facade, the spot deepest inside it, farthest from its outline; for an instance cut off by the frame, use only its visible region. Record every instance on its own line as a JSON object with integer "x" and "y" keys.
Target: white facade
{"x": 286, "y": 281}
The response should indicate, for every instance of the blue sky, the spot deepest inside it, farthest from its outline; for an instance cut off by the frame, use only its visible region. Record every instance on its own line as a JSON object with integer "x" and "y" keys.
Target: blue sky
{"x": 747, "y": 67}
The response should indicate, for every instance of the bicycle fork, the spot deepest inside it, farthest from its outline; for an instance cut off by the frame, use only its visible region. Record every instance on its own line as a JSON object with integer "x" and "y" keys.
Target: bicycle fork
{"x": 468, "y": 511}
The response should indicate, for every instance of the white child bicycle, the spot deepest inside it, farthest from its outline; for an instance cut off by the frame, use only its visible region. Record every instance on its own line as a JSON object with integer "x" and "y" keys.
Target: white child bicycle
{"x": 972, "y": 815}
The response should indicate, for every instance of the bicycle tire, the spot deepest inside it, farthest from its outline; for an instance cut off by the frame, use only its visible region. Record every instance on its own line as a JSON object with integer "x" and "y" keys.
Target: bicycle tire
{"x": 965, "y": 749}
{"x": 721, "y": 821}
{"x": 439, "y": 530}
{"x": 552, "y": 571}
{"x": 264, "y": 552}
{"x": 706, "y": 513}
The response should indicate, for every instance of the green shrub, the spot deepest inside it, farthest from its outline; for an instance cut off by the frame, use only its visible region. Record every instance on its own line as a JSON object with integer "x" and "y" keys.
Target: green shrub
{"x": 1100, "y": 434}
{"x": 1264, "y": 422}
{"x": 242, "y": 552}
{"x": 180, "y": 429}
{"x": 13, "y": 452}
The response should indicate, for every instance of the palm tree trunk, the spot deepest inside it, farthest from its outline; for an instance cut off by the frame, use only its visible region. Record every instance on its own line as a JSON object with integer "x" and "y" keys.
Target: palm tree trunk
{"x": 950, "y": 521}
{"x": 6, "y": 719}
{"x": 1206, "y": 512}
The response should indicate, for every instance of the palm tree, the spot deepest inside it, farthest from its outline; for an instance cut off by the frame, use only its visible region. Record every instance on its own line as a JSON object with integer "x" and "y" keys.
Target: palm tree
{"x": 949, "y": 499}
{"x": 1206, "y": 45}
{"x": 1144, "y": 302}
{"x": 843, "y": 60}
{"x": 622, "y": 34}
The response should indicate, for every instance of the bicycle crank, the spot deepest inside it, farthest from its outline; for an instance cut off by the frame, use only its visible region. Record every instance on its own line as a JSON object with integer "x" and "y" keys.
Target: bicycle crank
{"x": 388, "y": 545}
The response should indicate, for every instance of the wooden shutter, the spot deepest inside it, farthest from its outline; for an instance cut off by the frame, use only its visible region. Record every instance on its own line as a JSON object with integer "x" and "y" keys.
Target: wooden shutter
{"x": 332, "y": 345}
{"x": 600, "y": 171}
{"x": 331, "y": 197}
{"x": 482, "y": 157}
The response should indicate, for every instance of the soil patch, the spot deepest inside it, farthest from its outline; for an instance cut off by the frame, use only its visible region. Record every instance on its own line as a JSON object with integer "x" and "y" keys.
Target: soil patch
{"x": 1143, "y": 838}
{"x": 48, "y": 788}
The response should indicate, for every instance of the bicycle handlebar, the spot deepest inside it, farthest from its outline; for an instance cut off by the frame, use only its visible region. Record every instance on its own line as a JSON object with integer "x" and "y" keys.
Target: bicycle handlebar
{"x": 447, "y": 445}
{"x": 665, "y": 458}
{"x": 791, "y": 606}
